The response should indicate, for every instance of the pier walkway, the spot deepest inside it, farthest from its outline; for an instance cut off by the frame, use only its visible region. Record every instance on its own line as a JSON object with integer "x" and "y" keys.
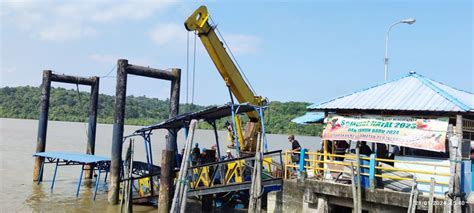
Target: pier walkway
{"x": 235, "y": 175}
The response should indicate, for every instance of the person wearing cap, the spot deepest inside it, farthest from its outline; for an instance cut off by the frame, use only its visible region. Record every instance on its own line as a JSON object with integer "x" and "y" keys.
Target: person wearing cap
{"x": 228, "y": 155}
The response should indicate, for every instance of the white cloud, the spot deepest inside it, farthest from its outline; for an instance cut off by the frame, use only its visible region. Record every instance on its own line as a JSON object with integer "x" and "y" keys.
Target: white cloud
{"x": 66, "y": 32}
{"x": 8, "y": 70}
{"x": 112, "y": 59}
{"x": 168, "y": 33}
{"x": 103, "y": 58}
{"x": 71, "y": 20}
{"x": 131, "y": 10}
{"x": 243, "y": 44}
{"x": 175, "y": 34}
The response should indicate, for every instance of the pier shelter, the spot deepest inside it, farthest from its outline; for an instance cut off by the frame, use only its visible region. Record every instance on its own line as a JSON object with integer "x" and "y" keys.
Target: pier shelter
{"x": 419, "y": 133}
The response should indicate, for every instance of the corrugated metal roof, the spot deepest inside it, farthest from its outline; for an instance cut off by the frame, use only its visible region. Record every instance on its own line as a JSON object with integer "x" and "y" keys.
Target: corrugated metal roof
{"x": 309, "y": 117}
{"x": 413, "y": 92}
{"x": 209, "y": 114}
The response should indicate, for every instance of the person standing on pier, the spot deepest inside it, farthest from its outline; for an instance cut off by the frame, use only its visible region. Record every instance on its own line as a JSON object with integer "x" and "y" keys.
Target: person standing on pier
{"x": 365, "y": 149}
{"x": 196, "y": 154}
{"x": 230, "y": 135}
{"x": 341, "y": 147}
{"x": 295, "y": 147}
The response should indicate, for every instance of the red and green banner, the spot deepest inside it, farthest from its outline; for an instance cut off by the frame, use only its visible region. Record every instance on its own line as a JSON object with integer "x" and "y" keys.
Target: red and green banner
{"x": 426, "y": 134}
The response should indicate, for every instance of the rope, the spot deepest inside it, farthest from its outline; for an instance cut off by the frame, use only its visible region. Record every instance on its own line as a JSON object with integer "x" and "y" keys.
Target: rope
{"x": 232, "y": 55}
{"x": 82, "y": 107}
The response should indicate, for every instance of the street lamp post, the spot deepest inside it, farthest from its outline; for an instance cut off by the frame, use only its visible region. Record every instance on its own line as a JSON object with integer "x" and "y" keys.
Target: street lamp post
{"x": 404, "y": 21}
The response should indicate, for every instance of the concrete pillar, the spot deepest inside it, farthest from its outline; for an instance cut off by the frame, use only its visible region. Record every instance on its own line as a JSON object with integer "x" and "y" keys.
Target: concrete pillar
{"x": 117, "y": 137}
{"x": 457, "y": 208}
{"x": 94, "y": 104}
{"x": 43, "y": 122}
{"x": 322, "y": 205}
{"x": 310, "y": 201}
{"x": 275, "y": 201}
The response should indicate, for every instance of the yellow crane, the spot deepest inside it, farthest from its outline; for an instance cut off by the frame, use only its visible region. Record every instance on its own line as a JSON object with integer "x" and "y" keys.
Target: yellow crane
{"x": 199, "y": 22}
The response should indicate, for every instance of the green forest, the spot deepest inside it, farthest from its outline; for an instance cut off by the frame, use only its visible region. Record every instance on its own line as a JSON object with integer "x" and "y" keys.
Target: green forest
{"x": 69, "y": 105}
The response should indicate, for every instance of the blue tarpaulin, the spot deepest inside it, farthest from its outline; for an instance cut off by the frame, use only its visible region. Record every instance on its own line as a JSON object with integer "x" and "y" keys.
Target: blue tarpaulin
{"x": 309, "y": 117}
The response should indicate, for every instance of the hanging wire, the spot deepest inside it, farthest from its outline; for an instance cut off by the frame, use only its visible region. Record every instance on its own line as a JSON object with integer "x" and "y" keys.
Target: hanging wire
{"x": 82, "y": 107}
{"x": 232, "y": 55}
{"x": 107, "y": 75}
{"x": 194, "y": 69}
{"x": 187, "y": 68}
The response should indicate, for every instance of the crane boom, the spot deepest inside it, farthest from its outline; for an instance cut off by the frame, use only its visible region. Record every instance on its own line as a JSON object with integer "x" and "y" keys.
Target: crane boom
{"x": 198, "y": 21}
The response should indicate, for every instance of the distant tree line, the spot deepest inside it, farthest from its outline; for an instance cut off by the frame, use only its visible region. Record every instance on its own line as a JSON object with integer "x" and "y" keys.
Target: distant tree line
{"x": 67, "y": 105}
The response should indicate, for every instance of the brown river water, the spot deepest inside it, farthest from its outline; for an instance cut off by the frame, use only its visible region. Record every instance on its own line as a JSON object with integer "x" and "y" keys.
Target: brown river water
{"x": 18, "y": 193}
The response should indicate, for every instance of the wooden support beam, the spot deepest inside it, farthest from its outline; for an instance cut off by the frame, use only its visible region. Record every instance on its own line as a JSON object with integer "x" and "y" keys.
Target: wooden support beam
{"x": 151, "y": 72}
{"x": 42, "y": 123}
{"x": 73, "y": 79}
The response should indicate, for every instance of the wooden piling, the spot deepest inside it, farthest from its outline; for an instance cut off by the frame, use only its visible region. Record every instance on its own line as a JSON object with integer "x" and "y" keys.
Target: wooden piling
{"x": 91, "y": 132}
{"x": 116, "y": 160}
{"x": 42, "y": 123}
{"x": 168, "y": 161}
{"x": 166, "y": 182}
{"x": 174, "y": 107}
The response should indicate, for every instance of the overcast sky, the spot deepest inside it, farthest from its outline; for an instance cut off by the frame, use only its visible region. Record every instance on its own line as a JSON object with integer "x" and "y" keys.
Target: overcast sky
{"x": 289, "y": 50}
